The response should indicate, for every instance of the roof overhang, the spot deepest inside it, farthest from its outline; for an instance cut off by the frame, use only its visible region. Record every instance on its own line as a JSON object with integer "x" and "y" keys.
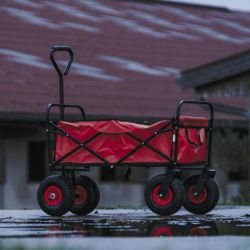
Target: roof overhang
{"x": 226, "y": 70}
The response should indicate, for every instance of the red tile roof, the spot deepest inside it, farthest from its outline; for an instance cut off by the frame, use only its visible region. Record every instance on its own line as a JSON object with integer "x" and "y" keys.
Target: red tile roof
{"x": 127, "y": 53}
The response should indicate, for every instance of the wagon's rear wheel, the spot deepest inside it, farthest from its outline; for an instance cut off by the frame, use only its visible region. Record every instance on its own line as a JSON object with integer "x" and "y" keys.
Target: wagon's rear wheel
{"x": 205, "y": 201}
{"x": 55, "y": 195}
{"x": 172, "y": 201}
{"x": 87, "y": 196}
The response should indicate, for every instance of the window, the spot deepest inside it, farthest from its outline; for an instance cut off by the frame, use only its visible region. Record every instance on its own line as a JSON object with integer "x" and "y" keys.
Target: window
{"x": 36, "y": 161}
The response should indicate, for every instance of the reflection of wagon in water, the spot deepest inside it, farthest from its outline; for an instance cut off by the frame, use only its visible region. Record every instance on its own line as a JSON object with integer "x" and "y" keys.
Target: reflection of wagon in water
{"x": 182, "y": 143}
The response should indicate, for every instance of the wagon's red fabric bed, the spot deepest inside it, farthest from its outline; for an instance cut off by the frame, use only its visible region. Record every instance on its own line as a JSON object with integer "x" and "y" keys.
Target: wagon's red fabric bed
{"x": 117, "y": 139}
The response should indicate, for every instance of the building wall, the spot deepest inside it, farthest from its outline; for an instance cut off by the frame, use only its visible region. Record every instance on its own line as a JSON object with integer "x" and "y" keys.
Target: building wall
{"x": 238, "y": 85}
{"x": 2, "y": 172}
{"x": 15, "y": 189}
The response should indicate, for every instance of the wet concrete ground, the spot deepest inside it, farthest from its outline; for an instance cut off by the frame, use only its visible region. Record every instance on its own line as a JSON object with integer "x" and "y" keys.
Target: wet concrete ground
{"x": 128, "y": 223}
{"x": 125, "y": 222}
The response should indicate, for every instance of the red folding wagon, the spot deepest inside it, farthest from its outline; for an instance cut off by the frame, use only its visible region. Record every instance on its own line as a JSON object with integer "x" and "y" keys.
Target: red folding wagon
{"x": 182, "y": 143}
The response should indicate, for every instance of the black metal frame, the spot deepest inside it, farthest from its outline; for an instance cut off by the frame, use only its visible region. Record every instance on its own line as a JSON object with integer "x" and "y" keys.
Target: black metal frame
{"x": 171, "y": 160}
{"x": 174, "y": 123}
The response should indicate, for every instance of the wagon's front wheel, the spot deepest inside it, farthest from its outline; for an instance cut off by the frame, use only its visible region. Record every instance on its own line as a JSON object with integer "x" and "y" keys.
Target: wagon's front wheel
{"x": 87, "y": 196}
{"x": 172, "y": 201}
{"x": 55, "y": 195}
{"x": 205, "y": 201}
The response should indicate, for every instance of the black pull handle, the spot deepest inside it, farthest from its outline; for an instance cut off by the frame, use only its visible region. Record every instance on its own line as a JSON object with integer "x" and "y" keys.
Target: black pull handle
{"x": 63, "y": 48}
{"x": 53, "y": 61}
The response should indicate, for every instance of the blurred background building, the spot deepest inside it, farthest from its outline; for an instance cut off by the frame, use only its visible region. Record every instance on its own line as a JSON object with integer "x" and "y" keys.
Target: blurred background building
{"x": 128, "y": 55}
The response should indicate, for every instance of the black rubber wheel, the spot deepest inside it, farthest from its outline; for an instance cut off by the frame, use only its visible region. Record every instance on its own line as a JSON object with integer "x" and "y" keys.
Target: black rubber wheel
{"x": 169, "y": 204}
{"x": 87, "y": 196}
{"x": 207, "y": 199}
{"x": 55, "y": 195}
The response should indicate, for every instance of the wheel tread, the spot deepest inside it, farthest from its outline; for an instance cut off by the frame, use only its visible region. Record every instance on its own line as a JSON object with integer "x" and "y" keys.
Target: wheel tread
{"x": 93, "y": 196}
{"x": 178, "y": 199}
{"x": 211, "y": 201}
{"x": 68, "y": 195}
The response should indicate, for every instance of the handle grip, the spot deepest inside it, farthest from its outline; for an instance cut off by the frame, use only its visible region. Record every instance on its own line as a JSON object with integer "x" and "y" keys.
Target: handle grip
{"x": 53, "y": 61}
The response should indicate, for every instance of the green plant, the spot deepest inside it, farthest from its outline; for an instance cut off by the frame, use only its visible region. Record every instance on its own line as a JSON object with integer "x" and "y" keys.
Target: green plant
{"x": 230, "y": 154}
{"x": 244, "y": 194}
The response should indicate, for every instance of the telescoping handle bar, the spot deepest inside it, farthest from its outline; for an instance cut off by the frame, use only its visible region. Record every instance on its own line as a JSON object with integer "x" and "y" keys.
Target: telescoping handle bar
{"x": 61, "y": 48}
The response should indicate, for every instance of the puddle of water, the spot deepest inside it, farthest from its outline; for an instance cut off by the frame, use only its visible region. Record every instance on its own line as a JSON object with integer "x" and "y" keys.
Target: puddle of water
{"x": 124, "y": 226}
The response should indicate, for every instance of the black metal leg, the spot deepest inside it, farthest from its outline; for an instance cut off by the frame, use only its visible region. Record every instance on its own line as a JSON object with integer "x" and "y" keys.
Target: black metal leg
{"x": 205, "y": 175}
{"x": 170, "y": 175}
{"x": 73, "y": 178}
